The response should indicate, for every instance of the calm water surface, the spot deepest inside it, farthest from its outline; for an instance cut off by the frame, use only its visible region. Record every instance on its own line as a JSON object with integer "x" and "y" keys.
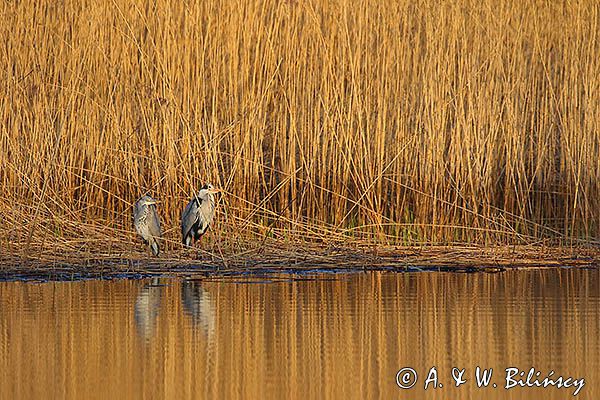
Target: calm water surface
{"x": 338, "y": 336}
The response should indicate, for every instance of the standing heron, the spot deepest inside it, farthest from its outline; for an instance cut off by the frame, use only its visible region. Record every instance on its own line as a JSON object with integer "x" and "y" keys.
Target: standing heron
{"x": 198, "y": 214}
{"x": 147, "y": 223}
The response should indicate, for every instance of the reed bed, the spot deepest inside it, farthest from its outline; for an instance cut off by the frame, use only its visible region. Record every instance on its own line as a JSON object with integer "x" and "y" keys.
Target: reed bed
{"x": 392, "y": 123}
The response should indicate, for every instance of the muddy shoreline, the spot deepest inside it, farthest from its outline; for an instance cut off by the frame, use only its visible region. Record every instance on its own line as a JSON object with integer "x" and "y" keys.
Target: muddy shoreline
{"x": 293, "y": 261}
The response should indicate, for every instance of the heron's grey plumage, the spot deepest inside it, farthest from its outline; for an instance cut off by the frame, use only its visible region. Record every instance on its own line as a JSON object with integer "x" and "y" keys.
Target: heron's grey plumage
{"x": 147, "y": 222}
{"x": 197, "y": 215}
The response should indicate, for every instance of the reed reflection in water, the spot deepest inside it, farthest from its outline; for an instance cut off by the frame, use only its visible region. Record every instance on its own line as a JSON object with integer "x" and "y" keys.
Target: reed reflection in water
{"x": 344, "y": 336}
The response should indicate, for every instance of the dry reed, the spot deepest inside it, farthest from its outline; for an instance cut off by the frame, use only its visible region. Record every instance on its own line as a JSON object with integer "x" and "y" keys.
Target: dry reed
{"x": 404, "y": 122}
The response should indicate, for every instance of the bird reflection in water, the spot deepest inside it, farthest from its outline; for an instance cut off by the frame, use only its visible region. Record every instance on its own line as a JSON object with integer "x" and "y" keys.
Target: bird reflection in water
{"x": 199, "y": 305}
{"x": 147, "y": 306}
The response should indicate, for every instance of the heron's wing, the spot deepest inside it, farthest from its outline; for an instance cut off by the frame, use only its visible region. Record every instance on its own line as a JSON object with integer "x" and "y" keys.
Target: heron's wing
{"x": 137, "y": 211}
{"x": 154, "y": 222}
{"x": 138, "y": 214}
{"x": 189, "y": 217}
{"x": 206, "y": 214}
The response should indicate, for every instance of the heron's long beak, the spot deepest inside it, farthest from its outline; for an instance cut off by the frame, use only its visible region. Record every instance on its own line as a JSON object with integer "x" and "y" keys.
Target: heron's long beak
{"x": 214, "y": 190}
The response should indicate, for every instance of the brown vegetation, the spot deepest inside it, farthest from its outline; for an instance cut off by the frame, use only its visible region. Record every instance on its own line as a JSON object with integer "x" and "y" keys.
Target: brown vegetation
{"x": 405, "y": 122}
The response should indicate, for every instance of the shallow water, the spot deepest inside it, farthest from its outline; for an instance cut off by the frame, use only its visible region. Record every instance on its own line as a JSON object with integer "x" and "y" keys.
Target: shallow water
{"x": 334, "y": 336}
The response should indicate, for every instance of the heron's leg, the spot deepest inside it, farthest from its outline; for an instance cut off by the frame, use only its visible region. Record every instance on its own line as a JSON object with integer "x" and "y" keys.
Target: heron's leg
{"x": 198, "y": 249}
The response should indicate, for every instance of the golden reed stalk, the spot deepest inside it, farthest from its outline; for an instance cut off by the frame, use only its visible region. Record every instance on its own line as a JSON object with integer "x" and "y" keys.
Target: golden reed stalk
{"x": 397, "y": 122}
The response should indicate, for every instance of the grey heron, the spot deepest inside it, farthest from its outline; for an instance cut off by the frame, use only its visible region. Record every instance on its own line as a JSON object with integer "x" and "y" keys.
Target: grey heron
{"x": 147, "y": 222}
{"x": 198, "y": 214}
